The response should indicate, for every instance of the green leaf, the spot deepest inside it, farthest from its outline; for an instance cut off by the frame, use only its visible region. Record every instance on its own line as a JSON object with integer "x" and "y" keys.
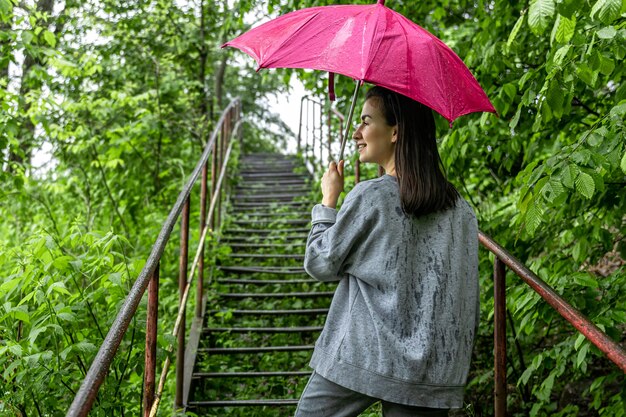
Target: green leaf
{"x": 539, "y": 15}
{"x": 569, "y": 175}
{"x": 525, "y": 376}
{"x": 560, "y": 55}
{"x": 606, "y": 10}
{"x": 585, "y": 280}
{"x": 509, "y": 90}
{"x": 585, "y": 185}
{"x": 581, "y": 157}
{"x": 58, "y": 287}
{"x": 50, "y": 38}
{"x": 20, "y": 314}
{"x": 16, "y": 350}
{"x": 582, "y": 354}
{"x": 565, "y": 29}
{"x": 546, "y": 387}
{"x": 85, "y": 347}
{"x": 9, "y": 285}
{"x": 587, "y": 75}
{"x": 27, "y": 37}
{"x": 619, "y": 110}
{"x": 515, "y": 120}
{"x": 608, "y": 32}
{"x": 595, "y": 138}
{"x": 5, "y": 7}
{"x": 32, "y": 336}
{"x": 516, "y": 29}
{"x": 70, "y": 317}
{"x": 579, "y": 341}
{"x": 534, "y": 217}
{"x": 62, "y": 262}
{"x": 623, "y": 163}
{"x": 606, "y": 65}
{"x": 552, "y": 190}
{"x": 116, "y": 278}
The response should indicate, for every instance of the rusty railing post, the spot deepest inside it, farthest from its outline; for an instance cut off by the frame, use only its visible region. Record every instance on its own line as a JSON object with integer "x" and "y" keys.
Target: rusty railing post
{"x": 182, "y": 283}
{"x": 200, "y": 285}
{"x": 311, "y": 114}
{"x": 299, "y": 140}
{"x": 222, "y": 150}
{"x": 214, "y": 173}
{"x": 321, "y": 120}
{"x": 330, "y": 132}
{"x": 152, "y": 315}
{"x": 220, "y": 162}
{"x": 499, "y": 336}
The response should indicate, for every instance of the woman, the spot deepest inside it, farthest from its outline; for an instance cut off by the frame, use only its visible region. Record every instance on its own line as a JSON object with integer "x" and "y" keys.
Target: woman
{"x": 404, "y": 249}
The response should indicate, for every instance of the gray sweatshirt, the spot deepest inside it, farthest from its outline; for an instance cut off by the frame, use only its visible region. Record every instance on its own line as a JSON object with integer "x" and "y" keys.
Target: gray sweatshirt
{"x": 402, "y": 322}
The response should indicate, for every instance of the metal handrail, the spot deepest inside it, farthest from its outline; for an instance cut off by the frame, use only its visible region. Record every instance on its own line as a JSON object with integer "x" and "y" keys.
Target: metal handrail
{"x": 185, "y": 294}
{"x": 596, "y": 336}
{"x": 86, "y": 395}
{"x": 311, "y": 133}
{"x": 311, "y": 111}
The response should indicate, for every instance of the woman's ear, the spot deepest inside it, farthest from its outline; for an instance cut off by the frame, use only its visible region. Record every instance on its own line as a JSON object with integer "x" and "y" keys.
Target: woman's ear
{"x": 394, "y": 134}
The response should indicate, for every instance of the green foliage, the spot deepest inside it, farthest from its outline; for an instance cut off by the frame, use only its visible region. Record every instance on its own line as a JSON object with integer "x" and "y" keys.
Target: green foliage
{"x": 127, "y": 111}
{"x": 55, "y": 302}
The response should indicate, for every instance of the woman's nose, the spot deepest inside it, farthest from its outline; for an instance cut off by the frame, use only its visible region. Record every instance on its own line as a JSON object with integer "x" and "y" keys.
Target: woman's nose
{"x": 357, "y": 132}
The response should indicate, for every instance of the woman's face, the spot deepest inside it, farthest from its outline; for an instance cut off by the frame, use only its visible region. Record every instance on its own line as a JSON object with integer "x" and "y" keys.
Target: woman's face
{"x": 375, "y": 139}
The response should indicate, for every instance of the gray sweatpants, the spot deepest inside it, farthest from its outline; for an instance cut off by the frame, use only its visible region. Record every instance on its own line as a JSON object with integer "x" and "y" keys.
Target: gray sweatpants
{"x": 323, "y": 398}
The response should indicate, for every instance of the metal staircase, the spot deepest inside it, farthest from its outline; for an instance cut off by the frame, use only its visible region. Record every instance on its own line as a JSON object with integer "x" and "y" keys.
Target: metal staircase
{"x": 258, "y": 334}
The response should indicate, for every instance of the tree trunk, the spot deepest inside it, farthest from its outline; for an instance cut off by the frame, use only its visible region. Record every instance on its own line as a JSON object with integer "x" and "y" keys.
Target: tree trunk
{"x": 5, "y": 54}
{"x": 219, "y": 82}
{"x": 26, "y": 136}
{"x": 221, "y": 71}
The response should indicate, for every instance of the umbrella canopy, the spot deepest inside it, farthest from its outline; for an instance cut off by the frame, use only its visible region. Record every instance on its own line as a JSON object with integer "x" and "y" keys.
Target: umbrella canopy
{"x": 369, "y": 43}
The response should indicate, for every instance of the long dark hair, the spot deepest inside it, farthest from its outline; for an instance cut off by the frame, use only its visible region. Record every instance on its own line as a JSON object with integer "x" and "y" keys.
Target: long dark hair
{"x": 424, "y": 188}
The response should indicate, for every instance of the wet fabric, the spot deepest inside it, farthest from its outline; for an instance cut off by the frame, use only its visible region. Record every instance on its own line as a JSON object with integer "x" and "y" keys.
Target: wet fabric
{"x": 403, "y": 319}
{"x": 323, "y": 398}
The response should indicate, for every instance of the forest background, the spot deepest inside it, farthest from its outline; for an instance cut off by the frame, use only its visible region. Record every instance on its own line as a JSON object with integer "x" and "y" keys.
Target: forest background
{"x": 125, "y": 94}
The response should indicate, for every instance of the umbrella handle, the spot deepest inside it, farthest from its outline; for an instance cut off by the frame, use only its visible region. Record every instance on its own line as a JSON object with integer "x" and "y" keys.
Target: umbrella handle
{"x": 349, "y": 122}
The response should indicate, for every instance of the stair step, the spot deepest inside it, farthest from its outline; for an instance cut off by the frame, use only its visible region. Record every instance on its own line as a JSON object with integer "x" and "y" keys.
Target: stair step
{"x": 276, "y": 221}
{"x": 277, "y": 182}
{"x": 265, "y": 174}
{"x": 242, "y": 403}
{"x": 264, "y": 245}
{"x": 277, "y": 215}
{"x": 266, "y": 197}
{"x": 268, "y": 270}
{"x": 275, "y": 170}
{"x": 303, "y": 329}
{"x": 240, "y": 204}
{"x": 256, "y": 349}
{"x": 198, "y": 375}
{"x": 248, "y": 207}
{"x": 261, "y": 187}
{"x": 303, "y": 312}
{"x": 265, "y": 281}
{"x": 278, "y": 294}
{"x": 269, "y": 215}
{"x": 253, "y": 239}
{"x": 266, "y": 256}
{"x": 268, "y": 231}
{"x": 273, "y": 163}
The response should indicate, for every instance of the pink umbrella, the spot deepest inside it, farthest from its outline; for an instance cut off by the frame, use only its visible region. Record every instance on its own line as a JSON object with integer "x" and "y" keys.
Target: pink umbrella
{"x": 369, "y": 43}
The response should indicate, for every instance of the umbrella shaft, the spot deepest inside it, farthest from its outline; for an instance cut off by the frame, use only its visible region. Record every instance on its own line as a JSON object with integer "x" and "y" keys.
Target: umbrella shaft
{"x": 349, "y": 122}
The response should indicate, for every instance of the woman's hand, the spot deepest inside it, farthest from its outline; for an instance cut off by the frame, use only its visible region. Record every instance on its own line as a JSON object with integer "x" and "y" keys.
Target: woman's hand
{"x": 332, "y": 184}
